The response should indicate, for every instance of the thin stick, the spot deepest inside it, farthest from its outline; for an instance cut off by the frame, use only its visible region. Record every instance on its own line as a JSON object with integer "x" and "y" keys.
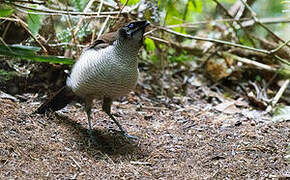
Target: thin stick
{"x": 122, "y": 8}
{"x": 28, "y": 2}
{"x": 6, "y": 45}
{"x": 100, "y": 7}
{"x": 81, "y": 19}
{"x": 239, "y": 23}
{"x": 278, "y": 95}
{"x": 25, "y": 26}
{"x": 103, "y": 27}
{"x": 280, "y": 92}
{"x": 75, "y": 162}
{"x": 278, "y": 48}
{"x": 248, "y": 61}
{"x": 214, "y": 40}
{"x": 59, "y": 12}
{"x": 254, "y": 16}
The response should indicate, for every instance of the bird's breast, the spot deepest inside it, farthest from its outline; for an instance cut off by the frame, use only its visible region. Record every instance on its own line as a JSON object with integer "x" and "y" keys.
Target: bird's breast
{"x": 101, "y": 73}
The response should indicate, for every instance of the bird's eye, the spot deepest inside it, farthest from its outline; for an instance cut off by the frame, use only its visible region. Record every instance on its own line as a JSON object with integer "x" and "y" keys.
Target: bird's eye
{"x": 131, "y": 25}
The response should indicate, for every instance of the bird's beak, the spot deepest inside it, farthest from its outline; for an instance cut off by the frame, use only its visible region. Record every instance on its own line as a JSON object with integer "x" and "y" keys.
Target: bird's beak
{"x": 144, "y": 24}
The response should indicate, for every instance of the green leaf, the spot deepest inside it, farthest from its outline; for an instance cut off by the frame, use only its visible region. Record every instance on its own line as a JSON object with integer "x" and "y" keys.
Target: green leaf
{"x": 4, "y": 12}
{"x": 26, "y": 49}
{"x": 281, "y": 113}
{"x": 28, "y": 53}
{"x": 195, "y": 6}
{"x": 6, "y": 75}
{"x": 130, "y": 2}
{"x": 150, "y": 45}
{"x": 34, "y": 22}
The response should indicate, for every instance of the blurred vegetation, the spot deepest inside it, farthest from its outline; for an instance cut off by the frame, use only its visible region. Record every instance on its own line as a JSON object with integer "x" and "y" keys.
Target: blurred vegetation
{"x": 167, "y": 12}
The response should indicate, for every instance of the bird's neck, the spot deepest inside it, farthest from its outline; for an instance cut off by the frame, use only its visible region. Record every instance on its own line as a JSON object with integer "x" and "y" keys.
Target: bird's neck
{"x": 127, "y": 51}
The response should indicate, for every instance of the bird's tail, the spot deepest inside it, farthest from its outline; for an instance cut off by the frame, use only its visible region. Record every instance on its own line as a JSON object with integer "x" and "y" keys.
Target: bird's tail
{"x": 58, "y": 101}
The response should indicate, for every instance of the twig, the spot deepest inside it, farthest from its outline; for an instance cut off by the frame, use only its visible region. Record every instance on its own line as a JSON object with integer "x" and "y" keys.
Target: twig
{"x": 108, "y": 4}
{"x": 150, "y": 32}
{"x": 74, "y": 39}
{"x": 103, "y": 27}
{"x": 248, "y": 61}
{"x": 280, "y": 92}
{"x": 278, "y": 48}
{"x": 214, "y": 40}
{"x": 191, "y": 50}
{"x": 6, "y": 45}
{"x": 266, "y": 21}
{"x": 229, "y": 15}
{"x": 75, "y": 162}
{"x": 159, "y": 40}
{"x": 278, "y": 95}
{"x": 140, "y": 163}
{"x": 65, "y": 44}
{"x": 27, "y": 2}
{"x": 254, "y": 16}
{"x": 100, "y": 7}
{"x": 25, "y": 26}
{"x": 122, "y": 8}
{"x": 81, "y": 19}
{"x": 6, "y": 29}
{"x": 282, "y": 60}
{"x": 59, "y": 12}
{"x": 245, "y": 22}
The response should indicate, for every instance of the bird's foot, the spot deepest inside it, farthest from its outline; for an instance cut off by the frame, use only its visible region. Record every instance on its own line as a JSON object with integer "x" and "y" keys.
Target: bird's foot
{"x": 93, "y": 138}
{"x": 125, "y": 134}
{"x": 116, "y": 115}
{"x": 128, "y": 136}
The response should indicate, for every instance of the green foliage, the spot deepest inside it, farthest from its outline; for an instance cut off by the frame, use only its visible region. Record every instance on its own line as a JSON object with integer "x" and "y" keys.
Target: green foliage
{"x": 179, "y": 11}
{"x": 284, "y": 71}
{"x": 29, "y": 53}
{"x": 150, "y": 46}
{"x": 5, "y": 11}
{"x": 180, "y": 57}
{"x": 64, "y": 36}
{"x": 266, "y": 8}
{"x": 195, "y": 6}
{"x": 6, "y": 75}
{"x": 34, "y": 22}
{"x": 80, "y": 4}
{"x": 130, "y": 2}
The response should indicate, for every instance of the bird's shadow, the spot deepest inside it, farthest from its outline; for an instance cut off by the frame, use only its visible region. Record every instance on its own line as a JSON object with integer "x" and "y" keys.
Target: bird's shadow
{"x": 107, "y": 142}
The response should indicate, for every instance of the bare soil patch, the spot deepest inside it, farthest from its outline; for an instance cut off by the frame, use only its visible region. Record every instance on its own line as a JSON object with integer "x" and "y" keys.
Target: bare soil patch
{"x": 174, "y": 143}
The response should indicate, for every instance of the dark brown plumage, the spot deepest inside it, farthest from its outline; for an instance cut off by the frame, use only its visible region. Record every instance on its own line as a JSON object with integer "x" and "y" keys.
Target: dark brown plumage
{"x": 58, "y": 101}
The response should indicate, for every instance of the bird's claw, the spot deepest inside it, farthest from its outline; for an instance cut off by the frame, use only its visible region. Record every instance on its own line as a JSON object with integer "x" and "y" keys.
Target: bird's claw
{"x": 125, "y": 134}
{"x": 92, "y": 137}
{"x": 128, "y": 136}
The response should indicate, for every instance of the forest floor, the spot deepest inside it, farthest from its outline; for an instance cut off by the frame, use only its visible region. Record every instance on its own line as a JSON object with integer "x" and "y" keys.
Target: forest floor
{"x": 175, "y": 142}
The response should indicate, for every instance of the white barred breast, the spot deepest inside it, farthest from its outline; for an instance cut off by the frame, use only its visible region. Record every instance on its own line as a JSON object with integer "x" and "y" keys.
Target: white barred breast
{"x": 104, "y": 73}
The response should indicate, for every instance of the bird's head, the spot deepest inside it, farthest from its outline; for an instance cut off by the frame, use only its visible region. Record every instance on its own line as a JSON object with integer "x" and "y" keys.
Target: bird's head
{"x": 133, "y": 32}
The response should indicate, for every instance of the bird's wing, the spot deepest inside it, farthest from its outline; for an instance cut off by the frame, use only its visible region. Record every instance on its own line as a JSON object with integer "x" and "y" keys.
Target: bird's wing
{"x": 104, "y": 41}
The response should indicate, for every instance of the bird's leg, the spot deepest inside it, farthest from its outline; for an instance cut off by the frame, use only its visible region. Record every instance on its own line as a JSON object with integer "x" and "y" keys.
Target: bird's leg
{"x": 107, "y": 108}
{"x": 88, "y": 109}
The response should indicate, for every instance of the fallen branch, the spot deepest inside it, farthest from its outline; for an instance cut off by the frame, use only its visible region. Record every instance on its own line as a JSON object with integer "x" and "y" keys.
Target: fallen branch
{"x": 278, "y": 95}
{"x": 248, "y": 61}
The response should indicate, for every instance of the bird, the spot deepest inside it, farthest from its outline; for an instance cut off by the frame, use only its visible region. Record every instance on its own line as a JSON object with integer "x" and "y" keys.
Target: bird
{"x": 106, "y": 70}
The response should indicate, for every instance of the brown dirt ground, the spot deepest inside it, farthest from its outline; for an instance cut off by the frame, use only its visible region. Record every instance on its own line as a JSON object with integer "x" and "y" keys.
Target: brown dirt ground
{"x": 174, "y": 143}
